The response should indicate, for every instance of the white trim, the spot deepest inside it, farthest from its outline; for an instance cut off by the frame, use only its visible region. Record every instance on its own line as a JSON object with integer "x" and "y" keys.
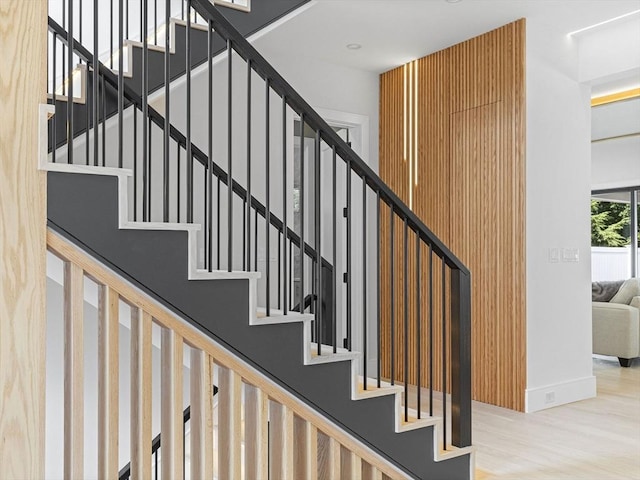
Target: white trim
{"x": 359, "y": 123}
{"x": 235, "y": 6}
{"x": 564, "y": 392}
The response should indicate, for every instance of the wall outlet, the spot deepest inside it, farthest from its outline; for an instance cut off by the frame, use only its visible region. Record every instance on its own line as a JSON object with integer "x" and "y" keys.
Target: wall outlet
{"x": 550, "y": 397}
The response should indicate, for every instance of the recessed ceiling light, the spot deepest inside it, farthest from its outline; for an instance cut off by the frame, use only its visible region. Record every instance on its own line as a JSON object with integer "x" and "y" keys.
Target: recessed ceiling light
{"x": 354, "y": 46}
{"x": 453, "y": 1}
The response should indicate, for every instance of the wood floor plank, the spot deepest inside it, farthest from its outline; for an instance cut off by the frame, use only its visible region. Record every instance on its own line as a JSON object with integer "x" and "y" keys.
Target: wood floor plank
{"x": 593, "y": 439}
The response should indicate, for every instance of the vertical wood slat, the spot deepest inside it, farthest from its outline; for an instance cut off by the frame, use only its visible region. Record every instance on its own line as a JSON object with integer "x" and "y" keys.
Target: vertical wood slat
{"x": 171, "y": 418}
{"x": 140, "y": 394}
{"x": 328, "y": 458}
{"x": 370, "y": 473}
{"x": 305, "y": 466}
{"x": 201, "y": 422}
{"x": 108, "y": 374}
{"x": 229, "y": 423}
{"x": 280, "y": 441}
{"x": 73, "y": 371}
{"x": 464, "y": 182}
{"x": 256, "y": 438}
{"x": 350, "y": 465}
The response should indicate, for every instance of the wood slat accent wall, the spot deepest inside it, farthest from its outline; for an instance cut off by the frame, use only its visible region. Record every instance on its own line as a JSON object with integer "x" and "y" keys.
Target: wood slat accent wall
{"x": 468, "y": 147}
{"x": 23, "y": 57}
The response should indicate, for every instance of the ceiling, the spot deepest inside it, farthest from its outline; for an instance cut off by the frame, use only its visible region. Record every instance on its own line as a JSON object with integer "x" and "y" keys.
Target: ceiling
{"x": 392, "y": 32}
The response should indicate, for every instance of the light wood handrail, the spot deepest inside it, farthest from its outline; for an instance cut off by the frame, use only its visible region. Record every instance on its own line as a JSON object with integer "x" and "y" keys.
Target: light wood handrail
{"x": 322, "y": 449}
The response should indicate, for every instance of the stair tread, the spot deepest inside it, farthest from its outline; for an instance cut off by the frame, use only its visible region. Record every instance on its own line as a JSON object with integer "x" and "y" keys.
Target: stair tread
{"x": 278, "y": 316}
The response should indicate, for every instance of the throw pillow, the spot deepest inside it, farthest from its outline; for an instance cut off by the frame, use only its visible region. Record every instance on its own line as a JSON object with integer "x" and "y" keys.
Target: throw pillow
{"x": 604, "y": 291}
{"x": 629, "y": 289}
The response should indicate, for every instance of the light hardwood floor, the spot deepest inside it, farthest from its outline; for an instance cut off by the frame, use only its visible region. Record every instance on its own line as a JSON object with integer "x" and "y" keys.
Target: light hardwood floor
{"x": 596, "y": 439}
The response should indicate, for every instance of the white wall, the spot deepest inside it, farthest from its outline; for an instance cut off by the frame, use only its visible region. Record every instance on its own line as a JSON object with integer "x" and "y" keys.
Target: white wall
{"x": 615, "y": 162}
{"x": 334, "y": 87}
{"x": 558, "y": 190}
{"x": 598, "y": 61}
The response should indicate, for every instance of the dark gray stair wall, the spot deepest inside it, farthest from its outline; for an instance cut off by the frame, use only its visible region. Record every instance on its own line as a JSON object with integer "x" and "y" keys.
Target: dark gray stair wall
{"x": 84, "y": 209}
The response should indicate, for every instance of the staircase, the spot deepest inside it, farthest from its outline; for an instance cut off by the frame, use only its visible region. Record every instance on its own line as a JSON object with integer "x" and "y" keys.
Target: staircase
{"x": 223, "y": 232}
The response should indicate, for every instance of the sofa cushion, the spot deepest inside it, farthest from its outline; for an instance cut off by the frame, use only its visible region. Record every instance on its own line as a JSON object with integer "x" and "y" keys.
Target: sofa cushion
{"x": 604, "y": 291}
{"x": 629, "y": 289}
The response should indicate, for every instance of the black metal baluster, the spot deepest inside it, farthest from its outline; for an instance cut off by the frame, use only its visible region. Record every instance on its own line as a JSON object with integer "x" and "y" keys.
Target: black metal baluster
{"x": 104, "y": 120}
{"x": 110, "y": 34}
{"x": 71, "y": 44}
{"x": 189, "y": 146}
{"x": 301, "y": 209}
{"x": 248, "y": 204}
{"x": 64, "y": 53}
{"x": 230, "y": 159}
{"x": 364, "y": 281}
{"x": 149, "y": 170}
{"x": 418, "y": 325}
{"x": 334, "y": 282}
{"x": 155, "y": 22}
{"x": 245, "y": 265}
{"x": 290, "y": 272}
{"x": 86, "y": 92}
{"x": 145, "y": 111}
{"x": 184, "y": 436}
{"x": 317, "y": 243}
{"x": 444, "y": 355}
{"x": 406, "y": 320}
{"x": 96, "y": 81}
{"x": 178, "y": 171}
{"x": 53, "y": 96}
{"x": 255, "y": 244}
{"x": 267, "y": 212}
{"x": 393, "y": 297}
{"x": 284, "y": 205}
{"x": 135, "y": 164}
{"x": 209, "y": 209}
{"x": 127, "y": 22}
{"x": 167, "y": 105}
{"x": 218, "y": 225}
{"x": 348, "y": 275}
{"x": 378, "y": 289}
{"x": 279, "y": 284}
{"x": 120, "y": 84}
{"x": 431, "y": 330}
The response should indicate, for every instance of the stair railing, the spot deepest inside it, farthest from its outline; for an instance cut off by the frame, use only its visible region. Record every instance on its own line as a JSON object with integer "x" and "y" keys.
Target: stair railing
{"x": 111, "y": 93}
{"x": 256, "y": 427}
{"x": 273, "y": 203}
{"x": 395, "y": 228}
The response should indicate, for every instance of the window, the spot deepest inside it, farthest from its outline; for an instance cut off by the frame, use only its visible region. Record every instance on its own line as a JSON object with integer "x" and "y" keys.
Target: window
{"x": 614, "y": 234}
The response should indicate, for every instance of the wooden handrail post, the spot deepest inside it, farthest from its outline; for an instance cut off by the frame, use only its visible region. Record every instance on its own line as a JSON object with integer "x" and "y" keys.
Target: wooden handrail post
{"x": 23, "y": 74}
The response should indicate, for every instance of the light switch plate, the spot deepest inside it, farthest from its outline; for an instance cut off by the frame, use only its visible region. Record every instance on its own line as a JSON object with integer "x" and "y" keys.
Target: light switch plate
{"x": 570, "y": 255}
{"x": 554, "y": 255}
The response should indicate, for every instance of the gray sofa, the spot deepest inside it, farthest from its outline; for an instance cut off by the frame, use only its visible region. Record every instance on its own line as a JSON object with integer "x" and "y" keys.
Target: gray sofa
{"x": 616, "y": 324}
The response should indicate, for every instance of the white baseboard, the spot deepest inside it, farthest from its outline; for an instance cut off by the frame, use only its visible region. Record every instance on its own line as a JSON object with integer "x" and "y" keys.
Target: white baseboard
{"x": 540, "y": 398}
